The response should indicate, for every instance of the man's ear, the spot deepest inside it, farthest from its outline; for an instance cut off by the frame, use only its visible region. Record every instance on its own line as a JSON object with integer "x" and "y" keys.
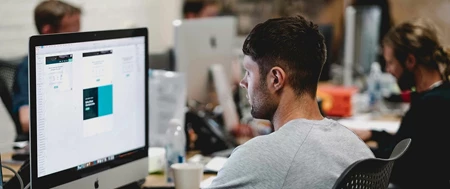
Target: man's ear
{"x": 47, "y": 29}
{"x": 276, "y": 78}
{"x": 410, "y": 62}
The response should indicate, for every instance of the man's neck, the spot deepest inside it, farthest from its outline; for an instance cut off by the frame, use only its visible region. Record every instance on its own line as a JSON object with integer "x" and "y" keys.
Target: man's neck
{"x": 293, "y": 107}
{"x": 426, "y": 78}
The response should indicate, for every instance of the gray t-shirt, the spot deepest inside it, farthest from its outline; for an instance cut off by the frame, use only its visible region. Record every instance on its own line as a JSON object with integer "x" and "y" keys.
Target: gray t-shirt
{"x": 301, "y": 154}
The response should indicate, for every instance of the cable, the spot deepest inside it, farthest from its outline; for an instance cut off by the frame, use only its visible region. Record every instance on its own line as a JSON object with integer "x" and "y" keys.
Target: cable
{"x": 27, "y": 186}
{"x": 15, "y": 173}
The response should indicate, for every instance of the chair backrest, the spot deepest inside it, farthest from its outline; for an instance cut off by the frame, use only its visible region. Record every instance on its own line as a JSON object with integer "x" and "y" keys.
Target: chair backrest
{"x": 400, "y": 148}
{"x": 7, "y": 76}
{"x": 371, "y": 173}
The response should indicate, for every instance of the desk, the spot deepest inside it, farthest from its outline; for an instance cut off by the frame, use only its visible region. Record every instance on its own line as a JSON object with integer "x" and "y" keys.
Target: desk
{"x": 6, "y": 160}
{"x": 365, "y": 121}
{"x": 152, "y": 180}
{"x": 388, "y": 123}
{"x": 157, "y": 180}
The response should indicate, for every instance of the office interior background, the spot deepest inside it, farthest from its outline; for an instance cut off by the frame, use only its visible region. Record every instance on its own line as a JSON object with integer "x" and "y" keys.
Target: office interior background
{"x": 16, "y": 24}
{"x": 353, "y": 43}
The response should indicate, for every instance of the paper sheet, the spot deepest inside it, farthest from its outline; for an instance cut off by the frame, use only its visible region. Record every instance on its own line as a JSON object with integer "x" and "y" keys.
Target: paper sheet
{"x": 207, "y": 182}
{"x": 216, "y": 163}
{"x": 388, "y": 126}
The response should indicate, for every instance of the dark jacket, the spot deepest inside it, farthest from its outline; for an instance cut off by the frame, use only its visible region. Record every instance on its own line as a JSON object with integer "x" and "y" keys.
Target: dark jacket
{"x": 426, "y": 164}
{"x": 20, "y": 87}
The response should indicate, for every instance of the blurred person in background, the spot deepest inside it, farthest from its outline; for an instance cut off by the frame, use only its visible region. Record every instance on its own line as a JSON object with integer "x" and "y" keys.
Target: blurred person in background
{"x": 200, "y": 9}
{"x": 283, "y": 62}
{"x": 50, "y": 17}
{"x": 415, "y": 56}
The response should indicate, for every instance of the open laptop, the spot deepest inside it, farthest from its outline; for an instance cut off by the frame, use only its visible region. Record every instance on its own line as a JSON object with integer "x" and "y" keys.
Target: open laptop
{"x": 200, "y": 43}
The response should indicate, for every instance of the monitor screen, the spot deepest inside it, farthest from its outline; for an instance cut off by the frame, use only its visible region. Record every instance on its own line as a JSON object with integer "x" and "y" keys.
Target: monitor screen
{"x": 89, "y": 103}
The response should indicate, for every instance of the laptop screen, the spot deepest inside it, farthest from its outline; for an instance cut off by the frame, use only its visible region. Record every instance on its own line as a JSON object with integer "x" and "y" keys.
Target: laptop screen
{"x": 89, "y": 98}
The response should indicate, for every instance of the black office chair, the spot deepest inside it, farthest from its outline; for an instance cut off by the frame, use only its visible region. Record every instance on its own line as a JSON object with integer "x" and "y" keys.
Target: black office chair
{"x": 7, "y": 76}
{"x": 372, "y": 173}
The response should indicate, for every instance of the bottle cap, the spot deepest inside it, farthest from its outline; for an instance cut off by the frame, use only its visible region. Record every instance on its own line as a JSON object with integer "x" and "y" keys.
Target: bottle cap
{"x": 175, "y": 121}
{"x": 375, "y": 66}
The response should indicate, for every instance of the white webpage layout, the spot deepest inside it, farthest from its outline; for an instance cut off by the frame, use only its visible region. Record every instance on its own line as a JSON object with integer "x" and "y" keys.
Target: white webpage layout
{"x": 89, "y": 101}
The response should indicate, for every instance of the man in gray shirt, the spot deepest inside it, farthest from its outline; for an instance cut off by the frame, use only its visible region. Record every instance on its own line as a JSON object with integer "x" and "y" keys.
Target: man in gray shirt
{"x": 283, "y": 61}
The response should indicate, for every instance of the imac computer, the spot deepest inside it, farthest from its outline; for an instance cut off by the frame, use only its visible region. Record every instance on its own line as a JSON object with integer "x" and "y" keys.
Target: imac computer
{"x": 88, "y": 109}
{"x": 199, "y": 44}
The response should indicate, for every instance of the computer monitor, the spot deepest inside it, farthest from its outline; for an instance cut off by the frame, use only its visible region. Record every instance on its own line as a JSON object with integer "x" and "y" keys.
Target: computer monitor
{"x": 88, "y": 102}
{"x": 200, "y": 43}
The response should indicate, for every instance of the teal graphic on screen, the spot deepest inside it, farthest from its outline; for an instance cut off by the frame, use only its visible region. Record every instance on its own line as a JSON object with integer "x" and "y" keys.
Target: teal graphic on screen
{"x": 98, "y": 102}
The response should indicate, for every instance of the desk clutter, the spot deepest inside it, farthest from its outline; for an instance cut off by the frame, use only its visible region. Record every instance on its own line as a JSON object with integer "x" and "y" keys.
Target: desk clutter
{"x": 211, "y": 164}
{"x": 337, "y": 100}
{"x": 208, "y": 164}
{"x": 366, "y": 122}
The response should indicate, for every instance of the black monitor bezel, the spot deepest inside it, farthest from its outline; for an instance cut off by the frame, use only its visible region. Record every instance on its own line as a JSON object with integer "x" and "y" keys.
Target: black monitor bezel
{"x": 72, "y": 174}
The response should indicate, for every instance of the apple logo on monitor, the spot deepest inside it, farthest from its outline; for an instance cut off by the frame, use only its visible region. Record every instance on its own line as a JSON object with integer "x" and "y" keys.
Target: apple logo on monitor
{"x": 212, "y": 42}
{"x": 96, "y": 184}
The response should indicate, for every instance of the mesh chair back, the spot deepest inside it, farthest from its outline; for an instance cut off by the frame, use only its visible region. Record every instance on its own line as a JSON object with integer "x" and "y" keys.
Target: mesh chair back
{"x": 371, "y": 173}
{"x": 7, "y": 76}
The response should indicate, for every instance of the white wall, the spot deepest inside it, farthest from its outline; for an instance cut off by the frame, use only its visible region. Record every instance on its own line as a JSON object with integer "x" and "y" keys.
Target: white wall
{"x": 16, "y": 21}
{"x": 16, "y": 24}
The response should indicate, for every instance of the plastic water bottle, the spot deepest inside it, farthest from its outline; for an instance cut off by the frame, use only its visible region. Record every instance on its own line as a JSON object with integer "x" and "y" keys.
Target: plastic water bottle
{"x": 374, "y": 88}
{"x": 175, "y": 147}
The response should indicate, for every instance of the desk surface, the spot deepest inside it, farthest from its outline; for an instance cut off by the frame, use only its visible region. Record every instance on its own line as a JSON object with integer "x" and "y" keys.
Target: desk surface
{"x": 388, "y": 125}
{"x": 152, "y": 180}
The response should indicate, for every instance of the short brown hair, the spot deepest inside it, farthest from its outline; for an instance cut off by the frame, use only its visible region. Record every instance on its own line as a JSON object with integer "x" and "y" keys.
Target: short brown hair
{"x": 293, "y": 43}
{"x": 52, "y": 12}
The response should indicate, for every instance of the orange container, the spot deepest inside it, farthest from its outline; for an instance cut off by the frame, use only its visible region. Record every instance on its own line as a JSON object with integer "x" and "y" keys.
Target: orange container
{"x": 336, "y": 100}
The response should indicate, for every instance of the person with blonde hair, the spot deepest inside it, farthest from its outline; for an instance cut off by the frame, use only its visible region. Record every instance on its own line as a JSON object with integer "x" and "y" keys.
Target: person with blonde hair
{"x": 415, "y": 56}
